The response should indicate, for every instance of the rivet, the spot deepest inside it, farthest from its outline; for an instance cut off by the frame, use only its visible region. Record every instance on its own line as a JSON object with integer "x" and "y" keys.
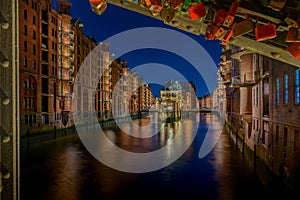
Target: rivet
{"x": 5, "y": 64}
{"x": 5, "y": 25}
{"x": 6, "y": 176}
{"x": 6, "y": 139}
{"x": 5, "y": 101}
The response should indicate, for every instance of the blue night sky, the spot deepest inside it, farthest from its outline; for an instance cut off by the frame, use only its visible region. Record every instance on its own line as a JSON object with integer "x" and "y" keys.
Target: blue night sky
{"x": 115, "y": 20}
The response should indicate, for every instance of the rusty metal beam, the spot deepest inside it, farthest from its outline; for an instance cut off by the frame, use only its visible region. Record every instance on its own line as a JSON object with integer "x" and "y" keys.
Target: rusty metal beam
{"x": 9, "y": 104}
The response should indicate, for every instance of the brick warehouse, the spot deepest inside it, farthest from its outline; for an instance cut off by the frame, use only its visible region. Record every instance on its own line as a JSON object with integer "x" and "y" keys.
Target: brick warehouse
{"x": 263, "y": 109}
{"x": 53, "y": 46}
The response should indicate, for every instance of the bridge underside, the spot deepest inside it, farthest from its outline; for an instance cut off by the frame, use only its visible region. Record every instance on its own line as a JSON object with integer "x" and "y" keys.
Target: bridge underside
{"x": 260, "y": 12}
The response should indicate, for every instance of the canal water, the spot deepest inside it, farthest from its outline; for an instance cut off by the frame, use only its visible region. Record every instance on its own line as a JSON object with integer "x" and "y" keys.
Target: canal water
{"x": 63, "y": 169}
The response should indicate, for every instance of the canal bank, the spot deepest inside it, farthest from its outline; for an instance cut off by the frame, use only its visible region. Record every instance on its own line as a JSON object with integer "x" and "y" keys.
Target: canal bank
{"x": 46, "y": 133}
{"x": 278, "y": 184}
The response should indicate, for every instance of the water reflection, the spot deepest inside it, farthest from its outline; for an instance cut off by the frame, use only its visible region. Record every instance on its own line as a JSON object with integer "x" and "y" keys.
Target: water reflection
{"x": 64, "y": 169}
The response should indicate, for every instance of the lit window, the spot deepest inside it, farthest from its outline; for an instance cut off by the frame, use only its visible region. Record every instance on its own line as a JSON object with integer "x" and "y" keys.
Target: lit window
{"x": 24, "y": 102}
{"x": 25, "y": 30}
{"x": 286, "y": 88}
{"x": 297, "y": 87}
{"x": 25, "y": 61}
{"x": 277, "y": 91}
{"x": 33, "y": 64}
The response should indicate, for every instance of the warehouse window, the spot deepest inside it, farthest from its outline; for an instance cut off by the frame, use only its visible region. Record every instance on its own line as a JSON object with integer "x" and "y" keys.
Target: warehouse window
{"x": 33, "y": 34}
{"x": 296, "y": 140}
{"x": 277, "y": 91}
{"x": 297, "y": 87}
{"x": 285, "y": 132}
{"x": 277, "y": 133}
{"x": 25, "y": 14}
{"x": 25, "y": 61}
{"x": 25, "y": 30}
{"x": 286, "y": 89}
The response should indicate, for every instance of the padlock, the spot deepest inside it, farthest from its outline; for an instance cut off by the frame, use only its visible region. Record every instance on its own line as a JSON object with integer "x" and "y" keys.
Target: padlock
{"x": 220, "y": 16}
{"x": 209, "y": 31}
{"x": 294, "y": 49}
{"x": 132, "y": 1}
{"x": 293, "y": 35}
{"x": 242, "y": 27}
{"x": 185, "y": 6}
{"x": 176, "y": 4}
{"x": 154, "y": 6}
{"x": 230, "y": 15}
{"x": 213, "y": 31}
{"x": 167, "y": 13}
{"x": 293, "y": 18}
{"x": 98, "y": 6}
{"x": 219, "y": 31}
{"x": 277, "y": 4}
{"x": 197, "y": 11}
{"x": 227, "y": 36}
{"x": 265, "y": 32}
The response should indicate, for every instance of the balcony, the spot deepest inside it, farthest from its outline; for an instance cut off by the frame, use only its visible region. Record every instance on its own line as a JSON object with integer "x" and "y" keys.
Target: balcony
{"x": 225, "y": 59}
{"x": 235, "y": 81}
{"x": 44, "y": 47}
{"x": 45, "y": 35}
{"x": 226, "y": 52}
{"x": 244, "y": 80}
{"x": 237, "y": 55}
{"x": 71, "y": 68}
{"x": 225, "y": 71}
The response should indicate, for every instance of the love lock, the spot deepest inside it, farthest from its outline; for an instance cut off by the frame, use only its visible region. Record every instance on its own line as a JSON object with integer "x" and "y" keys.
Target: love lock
{"x": 265, "y": 32}
{"x": 98, "y": 6}
{"x": 294, "y": 49}
{"x": 168, "y": 12}
{"x": 242, "y": 27}
{"x": 230, "y": 15}
{"x": 293, "y": 35}
{"x": 277, "y": 4}
{"x": 293, "y": 18}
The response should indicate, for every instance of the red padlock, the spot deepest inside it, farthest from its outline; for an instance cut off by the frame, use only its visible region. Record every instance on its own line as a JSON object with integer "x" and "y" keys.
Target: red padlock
{"x": 214, "y": 31}
{"x": 209, "y": 32}
{"x": 220, "y": 17}
{"x": 293, "y": 35}
{"x": 227, "y": 36}
{"x": 294, "y": 49}
{"x": 176, "y": 3}
{"x": 230, "y": 15}
{"x": 265, "y": 32}
{"x": 197, "y": 11}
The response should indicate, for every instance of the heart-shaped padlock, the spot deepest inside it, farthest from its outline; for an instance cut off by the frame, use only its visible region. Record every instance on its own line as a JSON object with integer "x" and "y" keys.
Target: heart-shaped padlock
{"x": 168, "y": 12}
